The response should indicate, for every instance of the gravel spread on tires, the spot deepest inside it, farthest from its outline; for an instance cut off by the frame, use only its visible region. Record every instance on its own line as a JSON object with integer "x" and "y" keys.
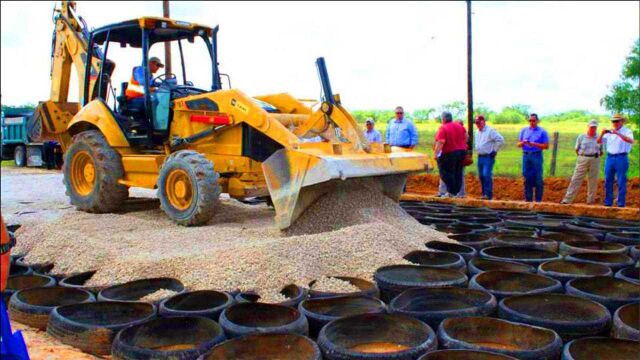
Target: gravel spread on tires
{"x": 350, "y": 231}
{"x": 333, "y": 285}
{"x": 158, "y": 295}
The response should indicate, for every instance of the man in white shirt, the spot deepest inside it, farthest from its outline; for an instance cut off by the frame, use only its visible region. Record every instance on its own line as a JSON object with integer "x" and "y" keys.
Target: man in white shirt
{"x": 618, "y": 142}
{"x": 487, "y": 141}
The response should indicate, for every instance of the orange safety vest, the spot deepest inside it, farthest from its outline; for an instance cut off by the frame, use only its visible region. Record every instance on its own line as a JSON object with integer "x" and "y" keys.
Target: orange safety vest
{"x": 134, "y": 88}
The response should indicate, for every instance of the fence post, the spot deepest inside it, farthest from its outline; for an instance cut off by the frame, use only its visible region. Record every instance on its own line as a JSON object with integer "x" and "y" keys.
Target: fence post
{"x": 554, "y": 153}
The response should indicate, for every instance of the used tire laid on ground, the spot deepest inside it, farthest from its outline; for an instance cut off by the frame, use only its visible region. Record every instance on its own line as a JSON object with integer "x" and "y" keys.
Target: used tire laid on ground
{"x": 321, "y": 311}
{"x": 205, "y": 303}
{"x": 610, "y": 292}
{"x": 258, "y": 318}
{"x": 477, "y": 241}
{"x": 488, "y": 334}
{"x": 613, "y": 261}
{"x": 437, "y": 259}
{"x": 479, "y": 265}
{"x": 294, "y": 294}
{"x": 33, "y": 306}
{"x": 631, "y": 274}
{"x": 629, "y": 239}
{"x": 266, "y": 346}
{"x": 571, "y": 317}
{"x": 464, "y": 355}
{"x": 79, "y": 280}
{"x": 434, "y": 305}
{"x": 565, "y": 270}
{"x": 532, "y": 242}
{"x": 459, "y": 228}
{"x": 137, "y": 289}
{"x": 183, "y": 338}
{"x": 91, "y": 327}
{"x": 16, "y": 269}
{"x": 581, "y": 246}
{"x": 533, "y": 257}
{"x": 394, "y": 279}
{"x": 508, "y": 283}
{"x": 626, "y": 322}
{"x": 22, "y": 282}
{"x": 601, "y": 348}
{"x": 365, "y": 287}
{"x": 376, "y": 336}
{"x": 466, "y": 252}
{"x": 567, "y": 236}
{"x": 634, "y": 251}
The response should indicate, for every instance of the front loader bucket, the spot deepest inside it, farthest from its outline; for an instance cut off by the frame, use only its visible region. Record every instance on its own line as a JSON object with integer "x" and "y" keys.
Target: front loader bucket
{"x": 297, "y": 178}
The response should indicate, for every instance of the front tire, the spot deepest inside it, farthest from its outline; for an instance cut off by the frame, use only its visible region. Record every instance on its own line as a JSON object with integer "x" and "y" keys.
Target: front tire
{"x": 20, "y": 156}
{"x": 91, "y": 170}
{"x": 188, "y": 188}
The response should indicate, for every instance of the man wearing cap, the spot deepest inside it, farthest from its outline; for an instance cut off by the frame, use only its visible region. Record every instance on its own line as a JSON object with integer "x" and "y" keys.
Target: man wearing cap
{"x": 487, "y": 141}
{"x": 533, "y": 140}
{"x": 401, "y": 132}
{"x": 135, "y": 88}
{"x": 618, "y": 142}
{"x": 589, "y": 151}
{"x": 372, "y": 134}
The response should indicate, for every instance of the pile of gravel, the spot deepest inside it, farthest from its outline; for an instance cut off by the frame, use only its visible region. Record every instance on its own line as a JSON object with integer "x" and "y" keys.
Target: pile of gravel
{"x": 349, "y": 232}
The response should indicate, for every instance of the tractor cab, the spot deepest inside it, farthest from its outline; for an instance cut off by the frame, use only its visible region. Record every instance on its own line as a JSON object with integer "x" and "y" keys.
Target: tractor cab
{"x": 145, "y": 114}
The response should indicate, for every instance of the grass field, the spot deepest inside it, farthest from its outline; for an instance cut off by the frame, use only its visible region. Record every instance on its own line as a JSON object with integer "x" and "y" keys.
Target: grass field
{"x": 509, "y": 159}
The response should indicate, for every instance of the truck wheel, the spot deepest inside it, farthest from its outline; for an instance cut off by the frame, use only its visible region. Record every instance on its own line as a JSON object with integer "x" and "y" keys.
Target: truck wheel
{"x": 188, "y": 188}
{"x": 20, "y": 156}
{"x": 91, "y": 172}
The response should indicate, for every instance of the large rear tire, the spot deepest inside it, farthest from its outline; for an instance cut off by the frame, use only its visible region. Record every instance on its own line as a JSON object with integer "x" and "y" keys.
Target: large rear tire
{"x": 20, "y": 156}
{"x": 91, "y": 170}
{"x": 188, "y": 188}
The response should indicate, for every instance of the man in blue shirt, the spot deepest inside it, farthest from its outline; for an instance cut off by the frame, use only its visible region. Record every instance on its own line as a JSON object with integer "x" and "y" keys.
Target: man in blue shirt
{"x": 371, "y": 133}
{"x": 533, "y": 140}
{"x": 401, "y": 132}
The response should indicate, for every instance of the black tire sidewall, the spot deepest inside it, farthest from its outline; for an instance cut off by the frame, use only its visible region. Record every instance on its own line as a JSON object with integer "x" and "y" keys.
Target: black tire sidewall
{"x": 20, "y": 156}
{"x": 179, "y": 164}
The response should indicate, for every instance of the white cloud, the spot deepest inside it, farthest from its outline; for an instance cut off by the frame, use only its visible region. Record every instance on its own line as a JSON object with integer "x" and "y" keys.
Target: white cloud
{"x": 553, "y": 56}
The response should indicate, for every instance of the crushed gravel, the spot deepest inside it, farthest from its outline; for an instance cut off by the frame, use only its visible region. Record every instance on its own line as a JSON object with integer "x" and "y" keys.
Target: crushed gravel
{"x": 158, "y": 295}
{"x": 349, "y": 232}
{"x": 333, "y": 285}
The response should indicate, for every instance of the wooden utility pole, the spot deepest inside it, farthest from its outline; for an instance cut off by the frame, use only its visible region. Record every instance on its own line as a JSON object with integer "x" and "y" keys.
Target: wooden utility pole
{"x": 554, "y": 153}
{"x": 167, "y": 45}
{"x": 469, "y": 82}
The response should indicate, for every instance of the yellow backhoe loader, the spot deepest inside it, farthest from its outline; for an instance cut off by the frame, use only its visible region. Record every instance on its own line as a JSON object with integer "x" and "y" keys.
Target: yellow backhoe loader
{"x": 191, "y": 143}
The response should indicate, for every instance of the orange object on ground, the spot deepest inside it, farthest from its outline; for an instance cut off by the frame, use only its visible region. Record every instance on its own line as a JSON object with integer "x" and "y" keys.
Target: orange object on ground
{"x": 5, "y": 257}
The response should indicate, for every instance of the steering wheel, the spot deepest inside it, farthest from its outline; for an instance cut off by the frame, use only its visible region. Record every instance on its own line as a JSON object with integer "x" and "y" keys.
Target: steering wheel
{"x": 162, "y": 78}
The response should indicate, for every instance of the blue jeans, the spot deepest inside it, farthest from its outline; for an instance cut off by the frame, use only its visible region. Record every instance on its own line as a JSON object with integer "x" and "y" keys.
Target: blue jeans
{"x": 532, "y": 172}
{"x": 485, "y": 173}
{"x": 615, "y": 166}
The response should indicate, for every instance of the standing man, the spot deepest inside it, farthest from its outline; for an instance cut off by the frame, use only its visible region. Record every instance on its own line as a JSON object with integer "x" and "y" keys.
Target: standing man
{"x": 487, "y": 142}
{"x": 401, "y": 132}
{"x": 589, "y": 151}
{"x": 618, "y": 143}
{"x": 451, "y": 140}
{"x": 533, "y": 140}
{"x": 372, "y": 134}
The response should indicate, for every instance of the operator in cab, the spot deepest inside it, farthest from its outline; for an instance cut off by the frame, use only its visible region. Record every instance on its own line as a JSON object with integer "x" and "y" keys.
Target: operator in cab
{"x": 135, "y": 88}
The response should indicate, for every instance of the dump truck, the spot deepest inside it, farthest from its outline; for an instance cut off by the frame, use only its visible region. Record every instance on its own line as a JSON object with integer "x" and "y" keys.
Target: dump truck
{"x": 17, "y": 145}
{"x": 192, "y": 143}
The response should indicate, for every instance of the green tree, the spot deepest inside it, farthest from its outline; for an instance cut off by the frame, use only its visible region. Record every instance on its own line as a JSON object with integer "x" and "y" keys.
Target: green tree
{"x": 423, "y": 114}
{"x": 458, "y": 109}
{"x": 624, "y": 95}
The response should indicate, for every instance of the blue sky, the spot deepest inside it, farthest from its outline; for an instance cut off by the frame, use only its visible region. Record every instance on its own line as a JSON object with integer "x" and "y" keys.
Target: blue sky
{"x": 553, "y": 56}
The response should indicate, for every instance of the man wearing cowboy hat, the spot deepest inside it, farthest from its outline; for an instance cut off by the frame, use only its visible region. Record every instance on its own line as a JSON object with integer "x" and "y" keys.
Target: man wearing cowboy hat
{"x": 371, "y": 133}
{"x": 589, "y": 151}
{"x": 618, "y": 142}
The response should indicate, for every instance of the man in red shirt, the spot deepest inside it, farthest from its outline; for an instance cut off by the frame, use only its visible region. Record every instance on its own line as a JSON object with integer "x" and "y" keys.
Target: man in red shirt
{"x": 451, "y": 147}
